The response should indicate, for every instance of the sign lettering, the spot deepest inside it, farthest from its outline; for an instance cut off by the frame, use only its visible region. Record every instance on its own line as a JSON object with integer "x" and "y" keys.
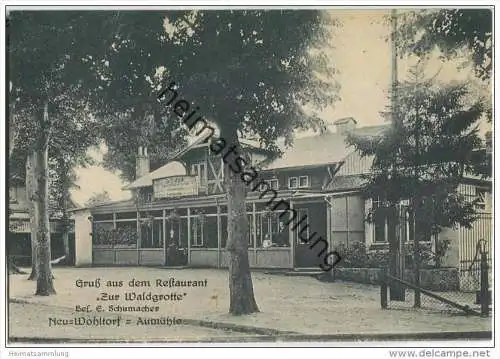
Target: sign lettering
{"x": 175, "y": 186}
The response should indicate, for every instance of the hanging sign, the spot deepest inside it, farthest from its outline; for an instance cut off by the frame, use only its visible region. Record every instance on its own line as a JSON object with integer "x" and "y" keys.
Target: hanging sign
{"x": 175, "y": 186}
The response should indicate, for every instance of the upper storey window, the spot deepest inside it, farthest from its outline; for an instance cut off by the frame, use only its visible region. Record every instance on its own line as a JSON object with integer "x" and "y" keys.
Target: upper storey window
{"x": 200, "y": 169}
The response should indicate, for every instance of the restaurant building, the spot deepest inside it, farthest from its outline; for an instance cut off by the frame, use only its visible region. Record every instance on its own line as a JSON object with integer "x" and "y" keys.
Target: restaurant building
{"x": 183, "y": 204}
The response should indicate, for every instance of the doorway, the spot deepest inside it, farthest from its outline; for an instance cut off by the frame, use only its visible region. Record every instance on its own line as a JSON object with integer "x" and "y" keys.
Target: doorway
{"x": 313, "y": 228}
{"x": 175, "y": 242}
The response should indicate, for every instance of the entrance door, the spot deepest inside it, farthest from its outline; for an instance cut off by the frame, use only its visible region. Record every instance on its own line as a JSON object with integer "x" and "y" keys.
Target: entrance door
{"x": 175, "y": 239}
{"x": 305, "y": 256}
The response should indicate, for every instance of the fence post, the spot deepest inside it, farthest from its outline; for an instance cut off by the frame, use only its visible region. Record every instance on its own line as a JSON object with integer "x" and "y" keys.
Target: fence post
{"x": 417, "y": 301}
{"x": 484, "y": 291}
{"x": 383, "y": 288}
{"x": 415, "y": 240}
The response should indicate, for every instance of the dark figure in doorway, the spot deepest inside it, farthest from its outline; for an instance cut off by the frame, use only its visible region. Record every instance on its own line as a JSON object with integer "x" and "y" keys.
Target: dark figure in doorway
{"x": 176, "y": 256}
{"x": 172, "y": 254}
{"x": 282, "y": 237}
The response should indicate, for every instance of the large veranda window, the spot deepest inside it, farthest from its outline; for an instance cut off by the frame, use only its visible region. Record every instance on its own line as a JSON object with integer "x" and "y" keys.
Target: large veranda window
{"x": 271, "y": 229}
{"x": 102, "y": 233}
{"x": 203, "y": 229}
{"x": 121, "y": 233}
{"x": 126, "y": 233}
{"x": 152, "y": 233}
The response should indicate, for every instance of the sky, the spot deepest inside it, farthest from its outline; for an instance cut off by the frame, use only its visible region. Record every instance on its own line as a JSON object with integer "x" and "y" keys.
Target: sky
{"x": 361, "y": 54}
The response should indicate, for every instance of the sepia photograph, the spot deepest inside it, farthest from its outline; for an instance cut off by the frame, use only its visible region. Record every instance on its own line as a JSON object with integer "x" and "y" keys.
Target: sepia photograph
{"x": 249, "y": 175}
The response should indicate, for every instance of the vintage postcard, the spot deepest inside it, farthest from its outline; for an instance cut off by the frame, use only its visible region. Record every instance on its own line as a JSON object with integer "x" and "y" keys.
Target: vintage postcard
{"x": 249, "y": 175}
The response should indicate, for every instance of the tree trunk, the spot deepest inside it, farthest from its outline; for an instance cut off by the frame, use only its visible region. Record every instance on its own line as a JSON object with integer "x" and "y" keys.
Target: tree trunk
{"x": 31, "y": 193}
{"x": 44, "y": 283}
{"x": 242, "y": 300}
{"x": 65, "y": 169}
{"x": 65, "y": 226}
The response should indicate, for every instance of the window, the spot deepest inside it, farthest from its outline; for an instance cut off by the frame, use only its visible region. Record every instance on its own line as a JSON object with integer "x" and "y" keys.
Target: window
{"x": 250, "y": 230}
{"x": 299, "y": 232}
{"x": 102, "y": 233}
{"x": 271, "y": 230}
{"x": 144, "y": 195}
{"x": 126, "y": 233}
{"x": 379, "y": 221}
{"x": 102, "y": 217}
{"x": 293, "y": 182}
{"x": 223, "y": 230}
{"x": 183, "y": 232}
{"x": 204, "y": 231}
{"x": 12, "y": 194}
{"x": 303, "y": 181}
{"x": 481, "y": 198}
{"x": 200, "y": 170}
{"x": 196, "y": 232}
{"x": 272, "y": 183}
{"x": 210, "y": 233}
{"x": 152, "y": 234}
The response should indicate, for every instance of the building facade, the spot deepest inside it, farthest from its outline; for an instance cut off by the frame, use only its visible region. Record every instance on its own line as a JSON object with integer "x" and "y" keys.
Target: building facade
{"x": 183, "y": 204}
{"x": 19, "y": 228}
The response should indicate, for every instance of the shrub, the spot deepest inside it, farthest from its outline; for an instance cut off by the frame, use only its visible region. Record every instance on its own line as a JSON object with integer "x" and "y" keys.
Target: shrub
{"x": 356, "y": 256}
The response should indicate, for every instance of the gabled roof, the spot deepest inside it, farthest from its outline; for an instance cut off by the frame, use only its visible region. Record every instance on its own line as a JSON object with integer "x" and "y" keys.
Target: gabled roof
{"x": 314, "y": 150}
{"x": 111, "y": 205}
{"x": 202, "y": 141}
{"x": 345, "y": 183}
{"x": 350, "y": 176}
{"x": 326, "y": 148}
{"x": 173, "y": 168}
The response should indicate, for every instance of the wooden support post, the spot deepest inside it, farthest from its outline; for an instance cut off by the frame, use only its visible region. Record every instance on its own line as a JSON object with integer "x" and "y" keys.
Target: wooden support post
{"x": 164, "y": 236}
{"x": 484, "y": 292}
{"x": 219, "y": 239}
{"x": 254, "y": 227}
{"x": 139, "y": 234}
{"x": 290, "y": 239}
{"x": 113, "y": 246}
{"x": 189, "y": 234}
{"x": 347, "y": 220}
{"x": 329, "y": 231}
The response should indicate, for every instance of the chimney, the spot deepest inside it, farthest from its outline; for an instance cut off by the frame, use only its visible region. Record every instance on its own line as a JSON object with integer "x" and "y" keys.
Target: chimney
{"x": 345, "y": 125}
{"x": 142, "y": 162}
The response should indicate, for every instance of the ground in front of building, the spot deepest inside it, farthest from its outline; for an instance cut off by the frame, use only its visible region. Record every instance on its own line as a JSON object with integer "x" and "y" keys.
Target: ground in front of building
{"x": 287, "y": 304}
